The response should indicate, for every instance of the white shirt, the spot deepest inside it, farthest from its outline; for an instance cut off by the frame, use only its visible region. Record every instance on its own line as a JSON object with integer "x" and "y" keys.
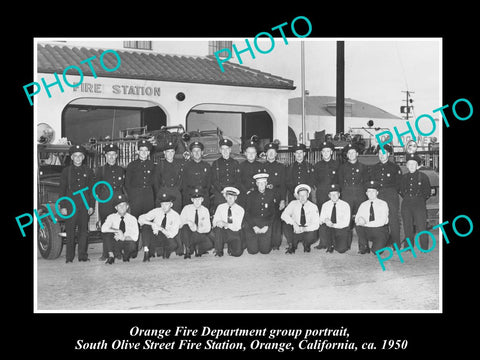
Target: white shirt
{"x": 221, "y": 214}
{"x": 343, "y": 213}
{"x": 112, "y": 222}
{"x": 380, "y": 209}
{"x": 292, "y": 214}
{"x": 188, "y": 214}
{"x": 156, "y": 215}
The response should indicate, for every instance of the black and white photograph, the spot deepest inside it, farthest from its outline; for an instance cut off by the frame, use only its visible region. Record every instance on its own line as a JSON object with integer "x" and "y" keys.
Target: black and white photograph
{"x": 270, "y": 174}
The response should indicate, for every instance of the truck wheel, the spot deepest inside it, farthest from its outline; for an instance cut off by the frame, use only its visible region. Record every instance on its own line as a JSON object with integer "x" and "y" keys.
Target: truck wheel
{"x": 50, "y": 243}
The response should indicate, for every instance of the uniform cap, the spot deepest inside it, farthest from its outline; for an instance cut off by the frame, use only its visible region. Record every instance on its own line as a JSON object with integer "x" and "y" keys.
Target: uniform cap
{"x": 260, "y": 176}
{"x": 413, "y": 157}
{"x": 350, "y": 146}
{"x": 77, "y": 148}
{"x": 196, "y": 193}
{"x": 300, "y": 147}
{"x": 164, "y": 197}
{"x": 301, "y": 187}
{"x": 249, "y": 143}
{"x": 196, "y": 144}
{"x": 269, "y": 146}
{"x": 144, "y": 143}
{"x": 110, "y": 147}
{"x": 386, "y": 147}
{"x": 334, "y": 187}
{"x": 230, "y": 190}
{"x": 372, "y": 184}
{"x": 226, "y": 142}
{"x": 120, "y": 198}
{"x": 327, "y": 144}
{"x": 170, "y": 146}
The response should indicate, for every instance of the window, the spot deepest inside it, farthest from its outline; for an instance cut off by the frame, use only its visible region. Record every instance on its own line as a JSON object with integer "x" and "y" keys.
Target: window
{"x": 214, "y": 46}
{"x": 143, "y": 45}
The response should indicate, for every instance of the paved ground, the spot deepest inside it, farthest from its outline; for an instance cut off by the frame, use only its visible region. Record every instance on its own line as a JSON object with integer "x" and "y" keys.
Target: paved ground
{"x": 314, "y": 281}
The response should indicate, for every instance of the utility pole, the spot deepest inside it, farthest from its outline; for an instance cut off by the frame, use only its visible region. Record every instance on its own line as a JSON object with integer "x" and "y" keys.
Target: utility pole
{"x": 340, "y": 100}
{"x": 303, "y": 139}
{"x": 406, "y": 109}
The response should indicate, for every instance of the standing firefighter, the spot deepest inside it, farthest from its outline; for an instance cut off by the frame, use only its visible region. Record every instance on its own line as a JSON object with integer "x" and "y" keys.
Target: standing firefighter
{"x": 74, "y": 180}
{"x": 352, "y": 177}
{"x": 225, "y": 172}
{"x": 299, "y": 172}
{"x": 248, "y": 168}
{"x": 276, "y": 181}
{"x": 115, "y": 176}
{"x": 388, "y": 176}
{"x": 415, "y": 190}
{"x": 301, "y": 220}
{"x": 168, "y": 175}
{"x": 259, "y": 216}
{"x": 196, "y": 173}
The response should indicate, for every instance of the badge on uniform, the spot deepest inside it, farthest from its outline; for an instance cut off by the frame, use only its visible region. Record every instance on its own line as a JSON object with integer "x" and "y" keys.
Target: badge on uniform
{"x": 148, "y": 171}
{"x": 276, "y": 174}
{"x": 358, "y": 170}
{"x": 266, "y": 206}
{"x": 84, "y": 175}
{"x": 205, "y": 169}
{"x": 419, "y": 183}
{"x": 388, "y": 174}
{"x": 119, "y": 178}
{"x": 333, "y": 172}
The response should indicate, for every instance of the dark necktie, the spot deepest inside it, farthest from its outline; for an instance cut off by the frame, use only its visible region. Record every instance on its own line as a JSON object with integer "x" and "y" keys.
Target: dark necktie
{"x": 303, "y": 221}
{"x": 372, "y": 214}
{"x": 164, "y": 222}
{"x": 196, "y": 217}
{"x": 122, "y": 224}
{"x": 229, "y": 215}
{"x": 333, "y": 217}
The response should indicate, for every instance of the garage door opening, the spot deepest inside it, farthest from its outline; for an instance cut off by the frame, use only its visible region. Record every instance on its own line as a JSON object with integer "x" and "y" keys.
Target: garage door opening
{"x": 86, "y": 119}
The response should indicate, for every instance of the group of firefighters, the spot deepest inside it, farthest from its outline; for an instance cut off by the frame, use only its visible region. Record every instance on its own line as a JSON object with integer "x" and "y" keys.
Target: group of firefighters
{"x": 191, "y": 207}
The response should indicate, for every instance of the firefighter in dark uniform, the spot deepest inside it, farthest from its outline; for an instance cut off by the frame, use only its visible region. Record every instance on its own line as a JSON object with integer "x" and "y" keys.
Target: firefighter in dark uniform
{"x": 276, "y": 182}
{"x": 299, "y": 172}
{"x": 388, "y": 176}
{"x": 139, "y": 182}
{"x": 168, "y": 175}
{"x": 259, "y": 216}
{"x": 115, "y": 176}
{"x": 196, "y": 173}
{"x": 325, "y": 174}
{"x": 415, "y": 191}
{"x": 248, "y": 168}
{"x": 225, "y": 172}
{"x": 352, "y": 177}
{"x": 73, "y": 179}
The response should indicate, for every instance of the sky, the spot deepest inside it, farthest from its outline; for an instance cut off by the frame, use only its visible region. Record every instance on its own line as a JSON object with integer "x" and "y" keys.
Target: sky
{"x": 376, "y": 70}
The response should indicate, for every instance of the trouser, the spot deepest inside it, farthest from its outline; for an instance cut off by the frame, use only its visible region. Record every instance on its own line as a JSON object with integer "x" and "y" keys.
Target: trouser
{"x": 141, "y": 201}
{"x": 258, "y": 242}
{"x": 307, "y": 238}
{"x": 377, "y": 235}
{"x": 105, "y": 209}
{"x": 414, "y": 214}
{"x": 167, "y": 245}
{"x": 232, "y": 238}
{"x": 194, "y": 241}
{"x": 177, "y": 203}
{"x": 339, "y": 239}
{"x": 80, "y": 219}
{"x": 390, "y": 195}
{"x": 125, "y": 247}
{"x": 277, "y": 228}
{"x": 353, "y": 196}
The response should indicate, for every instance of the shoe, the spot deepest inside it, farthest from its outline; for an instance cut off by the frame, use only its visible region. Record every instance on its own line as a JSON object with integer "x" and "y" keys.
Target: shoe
{"x": 290, "y": 251}
{"x": 330, "y": 249}
{"x": 146, "y": 256}
{"x": 134, "y": 255}
{"x": 320, "y": 247}
{"x": 84, "y": 259}
{"x": 219, "y": 253}
{"x": 187, "y": 256}
{"x": 166, "y": 255}
{"x": 364, "y": 251}
{"x": 110, "y": 260}
{"x": 102, "y": 258}
{"x": 307, "y": 249}
{"x": 68, "y": 261}
{"x": 118, "y": 256}
{"x": 126, "y": 259}
{"x": 276, "y": 248}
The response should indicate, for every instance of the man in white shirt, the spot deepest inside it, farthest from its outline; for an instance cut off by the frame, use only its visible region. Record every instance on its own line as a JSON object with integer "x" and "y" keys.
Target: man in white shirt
{"x": 372, "y": 221}
{"x": 162, "y": 230}
{"x": 195, "y": 227}
{"x": 227, "y": 224}
{"x": 301, "y": 219}
{"x": 120, "y": 231}
{"x": 335, "y": 222}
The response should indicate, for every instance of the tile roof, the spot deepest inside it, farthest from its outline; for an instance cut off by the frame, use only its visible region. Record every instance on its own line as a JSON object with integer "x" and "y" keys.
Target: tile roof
{"x": 325, "y": 106}
{"x": 155, "y": 66}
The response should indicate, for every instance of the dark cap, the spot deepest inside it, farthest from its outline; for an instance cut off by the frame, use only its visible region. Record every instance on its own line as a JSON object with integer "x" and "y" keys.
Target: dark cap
{"x": 372, "y": 184}
{"x": 349, "y": 147}
{"x": 327, "y": 144}
{"x": 196, "y": 144}
{"x": 164, "y": 197}
{"x": 413, "y": 157}
{"x": 269, "y": 146}
{"x": 386, "y": 147}
{"x": 334, "y": 187}
{"x": 110, "y": 147}
{"x": 170, "y": 146}
{"x": 120, "y": 198}
{"x": 226, "y": 142}
{"x": 196, "y": 193}
{"x": 144, "y": 143}
{"x": 250, "y": 143}
{"x": 302, "y": 147}
{"x": 77, "y": 148}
